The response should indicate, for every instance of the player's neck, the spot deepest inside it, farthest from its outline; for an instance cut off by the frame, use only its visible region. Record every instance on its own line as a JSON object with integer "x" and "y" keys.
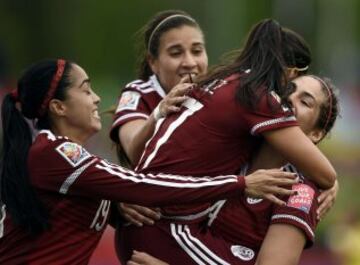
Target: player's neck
{"x": 267, "y": 158}
{"x": 73, "y": 134}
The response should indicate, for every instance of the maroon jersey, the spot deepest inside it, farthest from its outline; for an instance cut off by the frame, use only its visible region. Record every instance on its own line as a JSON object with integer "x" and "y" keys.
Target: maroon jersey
{"x": 213, "y": 134}
{"x": 138, "y": 100}
{"x": 76, "y": 187}
{"x": 237, "y": 228}
{"x": 243, "y": 223}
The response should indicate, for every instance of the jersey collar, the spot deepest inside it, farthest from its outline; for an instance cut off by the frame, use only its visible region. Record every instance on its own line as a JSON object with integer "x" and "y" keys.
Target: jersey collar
{"x": 157, "y": 86}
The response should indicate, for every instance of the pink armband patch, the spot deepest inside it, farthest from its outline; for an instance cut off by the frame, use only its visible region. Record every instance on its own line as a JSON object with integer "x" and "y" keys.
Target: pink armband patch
{"x": 303, "y": 199}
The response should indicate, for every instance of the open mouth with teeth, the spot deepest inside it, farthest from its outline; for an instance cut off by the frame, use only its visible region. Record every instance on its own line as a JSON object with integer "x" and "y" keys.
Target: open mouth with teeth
{"x": 190, "y": 75}
{"x": 96, "y": 114}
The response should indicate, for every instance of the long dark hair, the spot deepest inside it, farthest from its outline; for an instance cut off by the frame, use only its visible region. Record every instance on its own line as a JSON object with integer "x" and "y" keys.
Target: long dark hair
{"x": 269, "y": 50}
{"x": 148, "y": 37}
{"x": 17, "y": 194}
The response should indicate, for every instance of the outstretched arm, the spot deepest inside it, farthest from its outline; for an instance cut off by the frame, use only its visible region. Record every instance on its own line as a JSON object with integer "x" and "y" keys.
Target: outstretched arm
{"x": 282, "y": 245}
{"x": 298, "y": 149}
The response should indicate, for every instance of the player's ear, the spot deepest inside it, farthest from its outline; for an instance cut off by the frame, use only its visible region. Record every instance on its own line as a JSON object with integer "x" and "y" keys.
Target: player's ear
{"x": 316, "y": 135}
{"x": 57, "y": 107}
{"x": 153, "y": 63}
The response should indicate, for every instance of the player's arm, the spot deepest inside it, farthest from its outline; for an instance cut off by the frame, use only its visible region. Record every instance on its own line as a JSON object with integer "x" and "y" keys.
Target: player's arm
{"x": 298, "y": 149}
{"x": 283, "y": 245}
{"x": 133, "y": 136}
{"x": 100, "y": 179}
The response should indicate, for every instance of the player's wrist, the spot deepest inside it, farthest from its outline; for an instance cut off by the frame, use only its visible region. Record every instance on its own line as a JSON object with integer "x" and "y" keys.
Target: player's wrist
{"x": 157, "y": 113}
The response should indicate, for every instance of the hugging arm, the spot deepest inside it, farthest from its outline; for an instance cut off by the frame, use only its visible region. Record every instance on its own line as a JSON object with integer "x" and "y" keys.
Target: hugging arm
{"x": 282, "y": 245}
{"x": 298, "y": 149}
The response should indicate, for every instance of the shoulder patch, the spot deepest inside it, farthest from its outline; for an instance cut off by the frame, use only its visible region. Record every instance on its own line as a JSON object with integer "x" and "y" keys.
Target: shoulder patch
{"x": 303, "y": 199}
{"x": 129, "y": 101}
{"x": 73, "y": 153}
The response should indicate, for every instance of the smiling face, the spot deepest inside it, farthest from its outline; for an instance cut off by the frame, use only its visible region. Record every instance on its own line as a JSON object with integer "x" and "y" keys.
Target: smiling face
{"x": 306, "y": 101}
{"x": 79, "y": 111}
{"x": 181, "y": 51}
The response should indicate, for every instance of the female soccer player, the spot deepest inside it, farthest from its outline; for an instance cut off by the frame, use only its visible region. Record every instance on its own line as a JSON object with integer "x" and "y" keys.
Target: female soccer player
{"x": 173, "y": 53}
{"x": 252, "y": 230}
{"x": 225, "y": 119}
{"x": 55, "y": 195}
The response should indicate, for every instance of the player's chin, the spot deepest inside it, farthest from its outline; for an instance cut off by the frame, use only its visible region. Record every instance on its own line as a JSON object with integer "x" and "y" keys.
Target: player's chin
{"x": 96, "y": 126}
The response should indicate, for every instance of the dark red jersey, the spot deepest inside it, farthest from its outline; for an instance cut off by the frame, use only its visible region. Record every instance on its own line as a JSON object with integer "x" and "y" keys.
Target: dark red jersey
{"x": 137, "y": 101}
{"x": 244, "y": 223}
{"x": 213, "y": 134}
{"x": 76, "y": 187}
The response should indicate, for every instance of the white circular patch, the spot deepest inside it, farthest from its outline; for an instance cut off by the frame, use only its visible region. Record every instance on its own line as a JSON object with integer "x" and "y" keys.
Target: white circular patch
{"x": 243, "y": 253}
{"x": 253, "y": 200}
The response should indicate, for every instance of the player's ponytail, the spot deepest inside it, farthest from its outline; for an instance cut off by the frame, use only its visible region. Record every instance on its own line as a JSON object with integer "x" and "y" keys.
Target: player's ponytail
{"x": 25, "y": 105}
{"x": 269, "y": 51}
{"x": 16, "y": 192}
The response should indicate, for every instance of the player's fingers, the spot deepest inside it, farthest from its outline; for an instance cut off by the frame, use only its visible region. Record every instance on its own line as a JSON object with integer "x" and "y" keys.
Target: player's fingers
{"x": 324, "y": 208}
{"x": 274, "y": 199}
{"x": 283, "y": 174}
{"x": 139, "y": 215}
{"x": 130, "y": 262}
{"x": 171, "y": 109}
{"x": 150, "y": 213}
{"x": 176, "y": 100}
{"x": 185, "y": 79}
{"x": 283, "y": 181}
{"x": 281, "y": 191}
{"x": 130, "y": 219}
{"x": 322, "y": 197}
{"x": 180, "y": 90}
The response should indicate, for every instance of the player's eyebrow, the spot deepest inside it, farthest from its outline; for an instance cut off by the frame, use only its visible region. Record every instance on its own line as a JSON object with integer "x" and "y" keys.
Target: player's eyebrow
{"x": 87, "y": 80}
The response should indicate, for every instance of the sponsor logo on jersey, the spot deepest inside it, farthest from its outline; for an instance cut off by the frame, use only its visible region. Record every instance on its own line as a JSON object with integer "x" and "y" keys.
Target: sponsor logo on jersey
{"x": 242, "y": 252}
{"x": 303, "y": 199}
{"x": 73, "y": 153}
{"x": 129, "y": 101}
{"x": 250, "y": 200}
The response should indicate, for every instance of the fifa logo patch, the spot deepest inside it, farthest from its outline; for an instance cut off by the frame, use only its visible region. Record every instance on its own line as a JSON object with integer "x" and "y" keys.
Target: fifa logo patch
{"x": 129, "y": 101}
{"x": 303, "y": 199}
{"x": 73, "y": 153}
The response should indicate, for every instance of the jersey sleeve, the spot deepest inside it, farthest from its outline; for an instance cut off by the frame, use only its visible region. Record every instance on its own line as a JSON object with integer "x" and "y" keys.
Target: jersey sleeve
{"x": 67, "y": 168}
{"x": 133, "y": 104}
{"x": 300, "y": 210}
{"x": 269, "y": 114}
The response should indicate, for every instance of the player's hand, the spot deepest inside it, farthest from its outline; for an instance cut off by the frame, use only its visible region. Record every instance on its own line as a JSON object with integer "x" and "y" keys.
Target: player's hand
{"x": 327, "y": 200}
{"x": 177, "y": 95}
{"x": 267, "y": 183}
{"x": 139, "y": 215}
{"x": 142, "y": 258}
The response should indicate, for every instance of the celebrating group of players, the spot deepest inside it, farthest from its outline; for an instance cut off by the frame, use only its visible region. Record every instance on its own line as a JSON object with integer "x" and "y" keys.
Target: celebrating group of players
{"x": 218, "y": 153}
